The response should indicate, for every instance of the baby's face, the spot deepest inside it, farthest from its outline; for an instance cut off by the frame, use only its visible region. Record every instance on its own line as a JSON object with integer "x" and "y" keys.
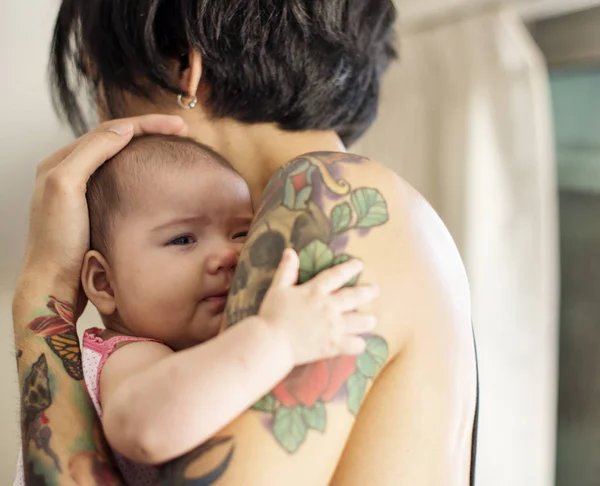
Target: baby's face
{"x": 175, "y": 252}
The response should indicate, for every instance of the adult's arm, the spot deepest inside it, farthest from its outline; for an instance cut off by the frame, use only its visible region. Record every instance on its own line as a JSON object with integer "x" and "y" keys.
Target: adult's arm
{"x": 412, "y": 392}
{"x": 61, "y": 441}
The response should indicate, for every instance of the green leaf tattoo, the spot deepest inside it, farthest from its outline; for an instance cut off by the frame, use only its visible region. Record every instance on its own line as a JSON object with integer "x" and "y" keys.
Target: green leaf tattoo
{"x": 314, "y": 258}
{"x": 315, "y": 417}
{"x": 302, "y": 197}
{"x": 289, "y": 428}
{"x": 341, "y": 217}
{"x": 268, "y": 403}
{"x": 289, "y": 196}
{"x": 356, "y": 386}
{"x": 304, "y": 166}
{"x": 370, "y": 206}
{"x": 372, "y": 360}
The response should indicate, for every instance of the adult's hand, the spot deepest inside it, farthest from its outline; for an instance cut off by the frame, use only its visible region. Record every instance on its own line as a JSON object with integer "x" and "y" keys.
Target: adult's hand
{"x": 59, "y": 226}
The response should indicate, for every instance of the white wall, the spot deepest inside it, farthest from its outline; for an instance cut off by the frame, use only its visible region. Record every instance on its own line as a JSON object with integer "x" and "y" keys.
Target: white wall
{"x": 28, "y": 127}
{"x": 29, "y": 131}
{"x": 9, "y": 429}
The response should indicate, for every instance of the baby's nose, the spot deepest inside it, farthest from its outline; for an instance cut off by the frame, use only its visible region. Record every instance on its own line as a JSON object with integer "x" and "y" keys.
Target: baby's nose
{"x": 224, "y": 258}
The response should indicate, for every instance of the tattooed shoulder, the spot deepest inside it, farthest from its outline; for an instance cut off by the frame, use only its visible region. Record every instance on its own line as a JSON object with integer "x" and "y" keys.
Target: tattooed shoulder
{"x": 311, "y": 207}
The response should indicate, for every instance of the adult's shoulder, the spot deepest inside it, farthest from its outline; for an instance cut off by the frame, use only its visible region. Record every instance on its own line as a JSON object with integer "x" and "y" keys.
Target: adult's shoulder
{"x": 418, "y": 261}
{"x": 355, "y": 205}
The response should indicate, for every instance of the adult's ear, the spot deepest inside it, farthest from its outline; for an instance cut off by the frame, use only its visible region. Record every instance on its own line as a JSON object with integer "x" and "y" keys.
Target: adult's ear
{"x": 96, "y": 282}
{"x": 190, "y": 73}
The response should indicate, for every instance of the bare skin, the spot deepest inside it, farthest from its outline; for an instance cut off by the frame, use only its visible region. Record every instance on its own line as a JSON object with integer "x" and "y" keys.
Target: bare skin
{"x": 417, "y": 389}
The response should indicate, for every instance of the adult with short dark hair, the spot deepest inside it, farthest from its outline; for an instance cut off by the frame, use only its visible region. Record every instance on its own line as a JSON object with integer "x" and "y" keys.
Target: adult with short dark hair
{"x": 279, "y": 89}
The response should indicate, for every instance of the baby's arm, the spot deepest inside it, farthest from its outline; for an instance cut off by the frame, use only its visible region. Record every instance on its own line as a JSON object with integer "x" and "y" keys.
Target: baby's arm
{"x": 158, "y": 405}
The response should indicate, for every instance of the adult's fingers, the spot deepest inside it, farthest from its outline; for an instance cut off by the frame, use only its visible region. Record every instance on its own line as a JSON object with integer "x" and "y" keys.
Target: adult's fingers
{"x": 146, "y": 124}
{"x": 159, "y": 124}
{"x": 103, "y": 143}
{"x": 336, "y": 277}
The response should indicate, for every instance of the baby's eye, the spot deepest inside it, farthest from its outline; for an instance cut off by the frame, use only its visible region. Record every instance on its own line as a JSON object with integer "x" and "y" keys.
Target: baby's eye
{"x": 182, "y": 240}
{"x": 240, "y": 235}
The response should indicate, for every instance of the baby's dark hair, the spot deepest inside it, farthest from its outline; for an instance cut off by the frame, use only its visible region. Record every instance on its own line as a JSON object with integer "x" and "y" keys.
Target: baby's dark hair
{"x": 300, "y": 64}
{"x": 111, "y": 188}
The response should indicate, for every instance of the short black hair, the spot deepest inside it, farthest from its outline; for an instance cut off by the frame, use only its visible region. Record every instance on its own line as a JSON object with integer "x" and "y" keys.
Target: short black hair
{"x": 302, "y": 64}
{"x": 112, "y": 187}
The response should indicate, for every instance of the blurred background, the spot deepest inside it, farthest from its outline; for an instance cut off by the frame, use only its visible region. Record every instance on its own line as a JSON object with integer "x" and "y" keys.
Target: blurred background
{"x": 493, "y": 113}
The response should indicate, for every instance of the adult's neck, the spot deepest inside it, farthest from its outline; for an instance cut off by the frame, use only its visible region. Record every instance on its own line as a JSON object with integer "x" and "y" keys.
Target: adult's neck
{"x": 258, "y": 151}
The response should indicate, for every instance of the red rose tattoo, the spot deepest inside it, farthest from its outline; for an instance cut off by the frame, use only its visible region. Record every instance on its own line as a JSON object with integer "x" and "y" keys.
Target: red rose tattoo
{"x": 322, "y": 381}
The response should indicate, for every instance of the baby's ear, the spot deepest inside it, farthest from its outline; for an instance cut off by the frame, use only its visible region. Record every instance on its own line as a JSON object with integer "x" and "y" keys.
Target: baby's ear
{"x": 95, "y": 279}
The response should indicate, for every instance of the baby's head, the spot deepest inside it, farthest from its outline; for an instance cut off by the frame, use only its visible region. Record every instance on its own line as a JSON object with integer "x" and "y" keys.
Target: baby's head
{"x": 168, "y": 219}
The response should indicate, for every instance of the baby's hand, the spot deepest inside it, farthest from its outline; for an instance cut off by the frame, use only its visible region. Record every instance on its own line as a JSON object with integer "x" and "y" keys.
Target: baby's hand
{"x": 319, "y": 318}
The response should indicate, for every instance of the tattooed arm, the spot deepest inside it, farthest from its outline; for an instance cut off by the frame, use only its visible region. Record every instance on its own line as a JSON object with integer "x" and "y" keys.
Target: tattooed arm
{"x": 330, "y": 207}
{"x": 62, "y": 443}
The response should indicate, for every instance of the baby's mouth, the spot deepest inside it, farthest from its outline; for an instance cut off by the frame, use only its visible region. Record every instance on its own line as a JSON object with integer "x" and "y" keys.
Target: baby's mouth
{"x": 218, "y": 294}
{"x": 216, "y": 301}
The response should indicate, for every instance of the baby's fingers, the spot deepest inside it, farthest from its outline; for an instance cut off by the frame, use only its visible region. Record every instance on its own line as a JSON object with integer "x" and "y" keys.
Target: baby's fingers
{"x": 351, "y": 298}
{"x": 336, "y": 277}
{"x": 359, "y": 323}
{"x": 352, "y": 345}
{"x": 287, "y": 271}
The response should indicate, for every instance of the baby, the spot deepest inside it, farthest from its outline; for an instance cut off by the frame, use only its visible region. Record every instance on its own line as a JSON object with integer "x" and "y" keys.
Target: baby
{"x": 168, "y": 220}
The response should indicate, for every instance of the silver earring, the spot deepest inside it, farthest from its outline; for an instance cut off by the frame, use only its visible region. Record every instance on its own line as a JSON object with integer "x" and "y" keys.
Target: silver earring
{"x": 187, "y": 106}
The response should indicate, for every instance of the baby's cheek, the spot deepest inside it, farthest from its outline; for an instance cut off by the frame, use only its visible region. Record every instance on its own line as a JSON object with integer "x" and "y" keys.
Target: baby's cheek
{"x": 159, "y": 299}
{"x": 169, "y": 306}
{"x": 142, "y": 307}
